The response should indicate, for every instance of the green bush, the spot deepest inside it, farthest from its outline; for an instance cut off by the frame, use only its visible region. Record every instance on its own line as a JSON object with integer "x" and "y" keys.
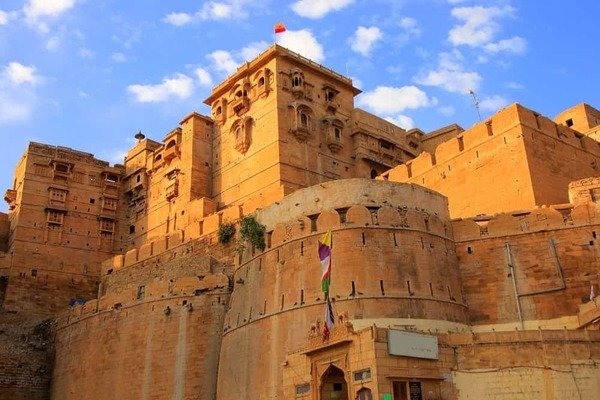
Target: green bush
{"x": 252, "y": 231}
{"x": 226, "y": 232}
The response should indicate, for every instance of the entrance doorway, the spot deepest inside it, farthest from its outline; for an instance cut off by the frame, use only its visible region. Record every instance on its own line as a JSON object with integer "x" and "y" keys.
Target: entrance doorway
{"x": 333, "y": 384}
{"x": 404, "y": 390}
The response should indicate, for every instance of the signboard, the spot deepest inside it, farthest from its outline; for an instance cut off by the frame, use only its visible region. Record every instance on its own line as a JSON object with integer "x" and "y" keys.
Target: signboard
{"x": 409, "y": 344}
{"x": 415, "y": 391}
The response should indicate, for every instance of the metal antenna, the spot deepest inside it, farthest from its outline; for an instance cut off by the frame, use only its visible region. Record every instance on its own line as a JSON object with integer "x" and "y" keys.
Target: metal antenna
{"x": 476, "y": 101}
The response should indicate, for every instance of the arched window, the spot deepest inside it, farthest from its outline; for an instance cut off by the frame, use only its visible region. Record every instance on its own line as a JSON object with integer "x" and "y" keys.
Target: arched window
{"x": 297, "y": 80}
{"x": 261, "y": 81}
{"x": 171, "y": 144}
{"x": 304, "y": 118}
{"x": 238, "y": 94}
{"x": 219, "y": 110}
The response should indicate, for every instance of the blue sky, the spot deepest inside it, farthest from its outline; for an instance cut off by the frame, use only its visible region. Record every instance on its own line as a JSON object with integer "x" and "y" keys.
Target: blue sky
{"x": 89, "y": 74}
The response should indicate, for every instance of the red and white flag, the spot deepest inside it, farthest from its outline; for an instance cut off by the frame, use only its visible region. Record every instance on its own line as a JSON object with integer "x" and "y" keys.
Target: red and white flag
{"x": 279, "y": 28}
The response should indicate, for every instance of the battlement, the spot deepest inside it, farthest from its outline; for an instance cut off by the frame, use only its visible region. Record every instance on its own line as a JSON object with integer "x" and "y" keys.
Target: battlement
{"x": 501, "y": 124}
{"x": 562, "y": 216}
{"x": 67, "y": 154}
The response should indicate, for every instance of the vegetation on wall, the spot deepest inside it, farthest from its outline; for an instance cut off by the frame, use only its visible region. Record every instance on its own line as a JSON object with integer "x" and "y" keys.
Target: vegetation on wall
{"x": 252, "y": 231}
{"x": 226, "y": 232}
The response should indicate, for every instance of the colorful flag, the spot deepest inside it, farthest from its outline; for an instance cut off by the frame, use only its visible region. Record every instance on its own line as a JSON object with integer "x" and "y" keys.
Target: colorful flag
{"x": 329, "y": 319}
{"x": 325, "y": 257}
{"x": 279, "y": 28}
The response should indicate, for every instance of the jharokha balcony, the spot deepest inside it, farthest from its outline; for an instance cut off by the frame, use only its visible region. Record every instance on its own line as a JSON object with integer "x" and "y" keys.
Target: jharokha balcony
{"x": 302, "y": 130}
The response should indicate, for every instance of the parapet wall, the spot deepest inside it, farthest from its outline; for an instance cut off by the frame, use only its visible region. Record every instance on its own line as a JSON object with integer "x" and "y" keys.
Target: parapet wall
{"x": 487, "y": 169}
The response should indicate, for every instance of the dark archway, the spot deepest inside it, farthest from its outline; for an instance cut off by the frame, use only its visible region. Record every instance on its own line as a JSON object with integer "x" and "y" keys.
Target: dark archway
{"x": 333, "y": 384}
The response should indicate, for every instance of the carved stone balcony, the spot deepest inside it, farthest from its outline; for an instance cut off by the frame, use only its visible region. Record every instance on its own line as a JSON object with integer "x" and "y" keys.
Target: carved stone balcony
{"x": 240, "y": 105}
{"x": 302, "y": 131}
{"x": 10, "y": 196}
{"x": 172, "y": 190}
{"x": 171, "y": 152}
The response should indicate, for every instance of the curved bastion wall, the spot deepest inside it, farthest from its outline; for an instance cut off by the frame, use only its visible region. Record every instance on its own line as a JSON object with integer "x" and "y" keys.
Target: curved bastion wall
{"x": 393, "y": 257}
{"x": 154, "y": 332}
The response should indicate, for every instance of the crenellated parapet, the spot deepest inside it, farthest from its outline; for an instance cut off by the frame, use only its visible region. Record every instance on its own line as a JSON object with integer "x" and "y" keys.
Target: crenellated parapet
{"x": 554, "y": 217}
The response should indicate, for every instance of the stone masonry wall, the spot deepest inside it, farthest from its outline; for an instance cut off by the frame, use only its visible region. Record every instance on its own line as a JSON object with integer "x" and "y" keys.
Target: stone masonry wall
{"x": 26, "y": 357}
{"x": 540, "y": 241}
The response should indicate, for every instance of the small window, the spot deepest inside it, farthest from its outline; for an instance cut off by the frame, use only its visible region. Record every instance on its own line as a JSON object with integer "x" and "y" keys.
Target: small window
{"x": 329, "y": 95}
{"x": 261, "y": 81}
{"x": 92, "y": 201}
{"x": 304, "y": 119}
{"x": 238, "y": 93}
{"x": 302, "y": 389}
{"x": 131, "y": 228}
{"x": 138, "y": 178}
{"x": 141, "y": 292}
{"x": 61, "y": 168}
{"x": 112, "y": 178}
{"x": 362, "y": 375}
{"x": 219, "y": 110}
{"x": 34, "y": 273}
{"x": 569, "y": 122}
{"x": 337, "y": 132}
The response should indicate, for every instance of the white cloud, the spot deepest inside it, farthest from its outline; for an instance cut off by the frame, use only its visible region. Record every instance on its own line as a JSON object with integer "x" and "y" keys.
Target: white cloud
{"x": 178, "y": 19}
{"x": 53, "y": 43}
{"x": 450, "y": 75}
{"x": 204, "y": 78}
{"x": 223, "y": 61}
{"x": 403, "y": 121}
{"x": 410, "y": 26}
{"x": 446, "y": 111}
{"x": 252, "y": 50}
{"x": 479, "y": 24}
{"x": 514, "y": 45}
{"x": 85, "y": 53}
{"x": 17, "y": 94}
{"x": 211, "y": 11}
{"x": 17, "y": 74}
{"x": 514, "y": 85}
{"x": 316, "y": 9}
{"x": 391, "y": 100}
{"x": 35, "y": 9}
{"x": 179, "y": 86}
{"x": 218, "y": 10}
{"x": 302, "y": 42}
{"x": 364, "y": 39}
{"x": 493, "y": 103}
{"x": 3, "y": 18}
{"x": 118, "y": 57}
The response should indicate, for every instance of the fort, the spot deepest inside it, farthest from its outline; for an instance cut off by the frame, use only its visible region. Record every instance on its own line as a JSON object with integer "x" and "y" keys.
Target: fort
{"x": 465, "y": 263}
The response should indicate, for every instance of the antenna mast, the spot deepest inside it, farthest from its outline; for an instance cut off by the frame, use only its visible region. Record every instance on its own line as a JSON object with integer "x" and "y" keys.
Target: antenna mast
{"x": 476, "y": 102}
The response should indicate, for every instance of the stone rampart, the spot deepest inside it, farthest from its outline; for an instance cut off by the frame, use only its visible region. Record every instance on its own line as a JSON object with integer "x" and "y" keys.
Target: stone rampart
{"x": 392, "y": 257}
{"x": 531, "y": 265}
